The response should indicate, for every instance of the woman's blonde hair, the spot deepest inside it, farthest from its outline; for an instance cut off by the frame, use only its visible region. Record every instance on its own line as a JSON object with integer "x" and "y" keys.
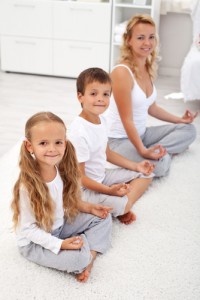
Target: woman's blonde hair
{"x": 41, "y": 203}
{"x": 126, "y": 53}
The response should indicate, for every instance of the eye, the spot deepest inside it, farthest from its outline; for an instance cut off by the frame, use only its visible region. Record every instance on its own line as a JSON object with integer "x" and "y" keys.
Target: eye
{"x": 107, "y": 94}
{"x": 140, "y": 38}
{"x": 59, "y": 143}
{"x": 43, "y": 143}
{"x": 152, "y": 37}
{"x": 93, "y": 94}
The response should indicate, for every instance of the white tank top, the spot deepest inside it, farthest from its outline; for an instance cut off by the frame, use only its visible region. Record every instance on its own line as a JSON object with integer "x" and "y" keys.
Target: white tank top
{"x": 140, "y": 106}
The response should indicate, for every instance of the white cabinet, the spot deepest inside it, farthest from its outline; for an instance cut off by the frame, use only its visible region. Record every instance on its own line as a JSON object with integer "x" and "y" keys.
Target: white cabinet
{"x": 122, "y": 11}
{"x": 80, "y": 38}
{"x": 54, "y": 37}
{"x": 26, "y": 33}
{"x": 62, "y": 38}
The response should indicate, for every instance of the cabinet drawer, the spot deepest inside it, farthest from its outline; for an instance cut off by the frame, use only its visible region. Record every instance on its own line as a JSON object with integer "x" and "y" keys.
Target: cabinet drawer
{"x": 82, "y": 21}
{"x": 26, "y": 18}
{"x": 71, "y": 58}
{"x": 26, "y": 55}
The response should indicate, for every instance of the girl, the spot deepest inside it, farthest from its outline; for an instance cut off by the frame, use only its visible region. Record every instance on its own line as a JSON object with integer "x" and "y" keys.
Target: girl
{"x": 134, "y": 96}
{"x": 46, "y": 203}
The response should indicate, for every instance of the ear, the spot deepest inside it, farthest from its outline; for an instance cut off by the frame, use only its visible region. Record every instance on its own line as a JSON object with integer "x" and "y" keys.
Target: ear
{"x": 80, "y": 97}
{"x": 28, "y": 146}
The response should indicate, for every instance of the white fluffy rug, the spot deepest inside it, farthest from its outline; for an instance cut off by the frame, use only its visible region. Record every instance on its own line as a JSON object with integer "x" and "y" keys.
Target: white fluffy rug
{"x": 155, "y": 258}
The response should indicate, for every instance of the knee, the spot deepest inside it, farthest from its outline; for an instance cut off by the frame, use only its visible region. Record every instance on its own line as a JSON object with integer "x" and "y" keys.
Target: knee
{"x": 162, "y": 166}
{"x": 192, "y": 132}
{"x": 189, "y": 130}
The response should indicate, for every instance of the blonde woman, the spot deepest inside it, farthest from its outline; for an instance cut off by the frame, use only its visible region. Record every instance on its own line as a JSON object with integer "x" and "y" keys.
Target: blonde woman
{"x": 134, "y": 97}
{"x": 46, "y": 204}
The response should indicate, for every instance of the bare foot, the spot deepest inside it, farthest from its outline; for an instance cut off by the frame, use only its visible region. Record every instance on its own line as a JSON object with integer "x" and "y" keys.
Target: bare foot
{"x": 127, "y": 218}
{"x": 83, "y": 277}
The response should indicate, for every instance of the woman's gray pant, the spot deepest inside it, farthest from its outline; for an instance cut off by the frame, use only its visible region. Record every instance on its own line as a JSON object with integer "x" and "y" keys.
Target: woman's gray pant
{"x": 95, "y": 232}
{"x": 176, "y": 138}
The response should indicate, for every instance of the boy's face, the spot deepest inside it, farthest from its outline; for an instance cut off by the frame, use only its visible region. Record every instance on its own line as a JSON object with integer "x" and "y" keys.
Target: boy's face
{"x": 96, "y": 98}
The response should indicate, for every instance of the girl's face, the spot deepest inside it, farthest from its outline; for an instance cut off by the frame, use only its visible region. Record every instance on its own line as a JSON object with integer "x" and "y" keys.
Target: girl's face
{"x": 143, "y": 40}
{"x": 48, "y": 143}
{"x": 96, "y": 98}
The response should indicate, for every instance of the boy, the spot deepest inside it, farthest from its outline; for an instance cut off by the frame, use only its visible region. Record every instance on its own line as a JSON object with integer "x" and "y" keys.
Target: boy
{"x": 118, "y": 188}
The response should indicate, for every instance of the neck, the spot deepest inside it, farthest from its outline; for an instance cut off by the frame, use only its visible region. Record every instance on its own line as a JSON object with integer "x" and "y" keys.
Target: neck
{"x": 90, "y": 117}
{"x": 48, "y": 173}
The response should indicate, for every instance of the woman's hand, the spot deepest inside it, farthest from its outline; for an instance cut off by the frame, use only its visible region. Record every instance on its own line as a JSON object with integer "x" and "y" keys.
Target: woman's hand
{"x": 145, "y": 167}
{"x": 72, "y": 243}
{"x": 120, "y": 189}
{"x": 100, "y": 210}
{"x": 188, "y": 117}
{"x": 155, "y": 152}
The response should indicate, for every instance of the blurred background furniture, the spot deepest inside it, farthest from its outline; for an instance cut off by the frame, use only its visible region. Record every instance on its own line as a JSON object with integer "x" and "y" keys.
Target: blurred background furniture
{"x": 190, "y": 71}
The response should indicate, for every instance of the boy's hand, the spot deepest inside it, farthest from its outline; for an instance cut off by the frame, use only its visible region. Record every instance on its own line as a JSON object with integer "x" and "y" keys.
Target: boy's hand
{"x": 72, "y": 243}
{"x": 120, "y": 189}
{"x": 100, "y": 210}
{"x": 145, "y": 167}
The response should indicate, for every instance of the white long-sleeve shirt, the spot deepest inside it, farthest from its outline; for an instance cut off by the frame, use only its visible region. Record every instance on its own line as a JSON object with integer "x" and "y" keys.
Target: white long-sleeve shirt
{"x": 28, "y": 231}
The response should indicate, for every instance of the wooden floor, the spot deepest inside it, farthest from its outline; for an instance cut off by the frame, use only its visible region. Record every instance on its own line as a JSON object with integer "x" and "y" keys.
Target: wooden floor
{"x": 22, "y": 95}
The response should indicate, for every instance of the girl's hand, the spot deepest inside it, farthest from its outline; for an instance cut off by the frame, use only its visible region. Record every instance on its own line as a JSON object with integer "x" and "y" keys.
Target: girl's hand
{"x": 188, "y": 117}
{"x": 72, "y": 243}
{"x": 100, "y": 210}
{"x": 145, "y": 167}
{"x": 120, "y": 189}
{"x": 155, "y": 152}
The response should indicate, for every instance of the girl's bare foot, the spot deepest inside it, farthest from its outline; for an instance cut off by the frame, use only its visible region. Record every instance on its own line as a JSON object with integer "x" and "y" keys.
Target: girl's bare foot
{"x": 127, "y": 218}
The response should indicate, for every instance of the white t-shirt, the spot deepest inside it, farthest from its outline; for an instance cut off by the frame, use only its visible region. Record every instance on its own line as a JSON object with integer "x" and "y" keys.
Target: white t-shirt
{"x": 90, "y": 141}
{"x": 140, "y": 106}
{"x": 28, "y": 231}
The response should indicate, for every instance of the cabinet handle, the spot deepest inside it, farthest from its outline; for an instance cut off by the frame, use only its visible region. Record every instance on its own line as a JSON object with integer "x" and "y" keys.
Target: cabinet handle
{"x": 17, "y": 5}
{"x": 25, "y": 43}
{"x": 80, "y": 47}
{"x": 81, "y": 9}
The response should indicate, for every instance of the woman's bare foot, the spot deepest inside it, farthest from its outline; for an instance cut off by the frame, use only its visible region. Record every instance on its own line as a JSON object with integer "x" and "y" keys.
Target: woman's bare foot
{"x": 83, "y": 277}
{"x": 127, "y": 218}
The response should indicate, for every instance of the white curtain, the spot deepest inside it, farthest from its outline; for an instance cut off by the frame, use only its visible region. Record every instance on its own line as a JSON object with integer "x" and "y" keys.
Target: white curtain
{"x": 178, "y": 6}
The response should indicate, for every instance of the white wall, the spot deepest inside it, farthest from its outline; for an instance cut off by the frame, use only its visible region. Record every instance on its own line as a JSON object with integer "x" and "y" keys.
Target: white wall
{"x": 175, "y": 40}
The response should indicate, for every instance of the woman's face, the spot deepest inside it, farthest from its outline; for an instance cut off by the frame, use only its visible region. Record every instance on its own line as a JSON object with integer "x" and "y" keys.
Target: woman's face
{"x": 143, "y": 40}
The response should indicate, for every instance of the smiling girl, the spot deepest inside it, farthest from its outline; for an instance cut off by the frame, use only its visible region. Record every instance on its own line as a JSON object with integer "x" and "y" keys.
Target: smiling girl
{"x": 54, "y": 227}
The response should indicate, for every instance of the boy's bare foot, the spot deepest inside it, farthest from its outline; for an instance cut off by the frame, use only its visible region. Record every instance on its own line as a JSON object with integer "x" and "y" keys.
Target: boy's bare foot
{"x": 83, "y": 277}
{"x": 127, "y": 218}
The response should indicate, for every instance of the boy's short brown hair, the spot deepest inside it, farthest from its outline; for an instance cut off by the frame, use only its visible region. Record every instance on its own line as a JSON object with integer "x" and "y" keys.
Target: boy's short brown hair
{"x": 90, "y": 75}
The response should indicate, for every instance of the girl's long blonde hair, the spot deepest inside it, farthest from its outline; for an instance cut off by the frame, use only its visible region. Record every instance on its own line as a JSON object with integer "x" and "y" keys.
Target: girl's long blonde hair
{"x": 126, "y": 53}
{"x": 41, "y": 203}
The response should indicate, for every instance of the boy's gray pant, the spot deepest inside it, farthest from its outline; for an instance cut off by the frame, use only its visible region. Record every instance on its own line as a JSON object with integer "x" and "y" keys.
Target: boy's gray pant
{"x": 95, "y": 232}
{"x": 174, "y": 137}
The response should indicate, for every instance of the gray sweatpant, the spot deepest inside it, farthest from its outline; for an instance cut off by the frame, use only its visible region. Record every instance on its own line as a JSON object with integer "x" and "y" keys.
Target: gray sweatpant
{"x": 113, "y": 176}
{"x": 174, "y": 137}
{"x": 95, "y": 232}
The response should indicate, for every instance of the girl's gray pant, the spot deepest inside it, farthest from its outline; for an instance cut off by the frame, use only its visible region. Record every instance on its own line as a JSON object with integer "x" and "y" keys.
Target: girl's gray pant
{"x": 174, "y": 137}
{"x": 95, "y": 232}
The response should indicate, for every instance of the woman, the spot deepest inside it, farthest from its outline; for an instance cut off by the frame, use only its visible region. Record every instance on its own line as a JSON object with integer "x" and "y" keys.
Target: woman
{"x": 134, "y": 96}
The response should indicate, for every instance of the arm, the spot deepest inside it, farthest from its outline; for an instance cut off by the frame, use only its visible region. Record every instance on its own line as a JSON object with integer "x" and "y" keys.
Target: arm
{"x": 144, "y": 167}
{"x": 29, "y": 229}
{"x": 122, "y": 87}
{"x": 161, "y": 114}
